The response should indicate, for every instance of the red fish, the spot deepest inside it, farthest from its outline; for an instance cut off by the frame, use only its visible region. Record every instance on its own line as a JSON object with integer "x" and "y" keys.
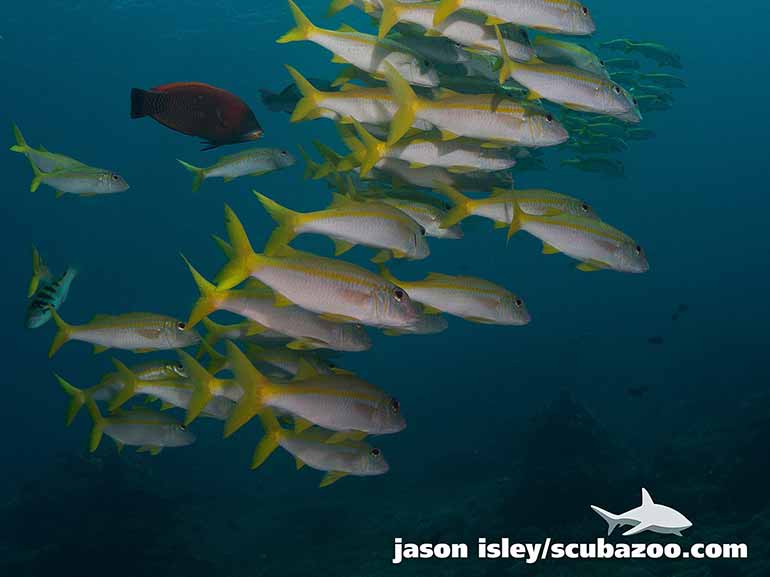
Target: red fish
{"x": 198, "y": 109}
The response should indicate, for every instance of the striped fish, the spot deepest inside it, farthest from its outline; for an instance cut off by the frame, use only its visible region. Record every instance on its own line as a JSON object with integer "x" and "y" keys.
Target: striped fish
{"x": 46, "y": 293}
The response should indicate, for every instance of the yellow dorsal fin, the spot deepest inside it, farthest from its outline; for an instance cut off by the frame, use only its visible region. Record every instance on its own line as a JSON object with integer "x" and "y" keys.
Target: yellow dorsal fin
{"x": 439, "y": 276}
{"x": 347, "y": 28}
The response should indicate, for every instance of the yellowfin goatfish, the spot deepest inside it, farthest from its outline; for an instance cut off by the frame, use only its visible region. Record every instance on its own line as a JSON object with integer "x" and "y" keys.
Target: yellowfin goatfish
{"x": 108, "y": 388}
{"x": 83, "y": 181}
{"x": 555, "y": 16}
{"x": 466, "y": 28}
{"x": 139, "y": 332}
{"x": 45, "y": 291}
{"x": 457, "y": 155}
{"x": 335, "y": 402}
{"x": 331, "y": 287}
{"x": 313, "y": 448}
{"x": 561, "y": 52}
{"x": 138, "y": 427}
{"x": 306, "y": 329}
{"x": 572, "y": 87}
{"x": 500, "y": 205}
{"x": 367, "y": 105}
{"x": 593, "y": 242}
{"x": 44, "y": 160}
{"x": 249, "y": 162}
{"x": 470, "y": 298}
{"x": 486, "y": 117}
{"x": 363, "y": 51}
{"x": 350, "y": 223}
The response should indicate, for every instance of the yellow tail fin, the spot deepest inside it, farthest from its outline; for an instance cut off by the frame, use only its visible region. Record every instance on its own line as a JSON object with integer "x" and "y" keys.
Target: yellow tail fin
{"x": 214, "y": 334}
{"x": 407, "y": 101}
{"x": 21, "y": 144}
{"x": 63, "y": 334}
{"x": 99, "y": 424}
{"x": 462, "y": 205}
{"x": 243, "y": 260}
{"x": 287, "y": 221}
{"x": 38, "y": 178}
{"x": 198, "y": 174}
{"x": 389, "y": 18}
{"x": 302, "y": 29}
{"x": 270, "y": 440}
{"x": 130, "y": 384}
{"x": 311, "y": 166}
{"x": 517, "y": 213}
{"x": 445, "y": 8}
{"x": 311, "y": 96}
{"x": 209, "y": 300}
{"x": 253, "y": 384}
{"x": 38, "y": 271}
{"x": 204, "y": 384}
{"x": 375, "y": 149}
{"x": 77, "y": 398}
{"x": 507, "y": 67}
{"x": 223, "y": 245}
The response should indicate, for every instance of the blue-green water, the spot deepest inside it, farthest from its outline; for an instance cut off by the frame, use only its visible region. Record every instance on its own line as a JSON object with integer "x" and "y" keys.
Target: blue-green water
{"x": 512, "y": 430}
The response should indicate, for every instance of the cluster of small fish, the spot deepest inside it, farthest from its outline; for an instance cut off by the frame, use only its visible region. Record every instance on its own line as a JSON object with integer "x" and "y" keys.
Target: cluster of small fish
{"x": 410, "y": 137}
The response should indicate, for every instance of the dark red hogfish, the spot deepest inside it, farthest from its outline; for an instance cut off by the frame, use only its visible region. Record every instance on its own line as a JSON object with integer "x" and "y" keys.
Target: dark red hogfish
{"x": 198, "y": 109}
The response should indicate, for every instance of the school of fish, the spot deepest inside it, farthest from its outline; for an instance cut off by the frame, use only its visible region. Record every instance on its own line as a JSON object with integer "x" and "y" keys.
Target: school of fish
{"x": 437, "y": 108}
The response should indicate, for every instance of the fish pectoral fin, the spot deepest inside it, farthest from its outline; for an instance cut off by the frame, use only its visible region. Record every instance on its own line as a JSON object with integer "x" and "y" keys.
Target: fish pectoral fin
{"x": 461, "y": 169}
{"x": 636, "y": 529}
{"x": 305, "y": 345}
{"x": 342, "y": 246}
{"x": 299, "y": 463}
{"x": 548, "y": 249}
{"x": 282, "y": 301}
{"x": 532, "y": 95}
{"x": 338, "y": 60}
{"x": 417, "y": 165}
{"x": 479, "y": 320}
{"x": 143, "y": 351}
{"x": 165, "y": 406}
{"x": 447, "y": 135}
{"x": 492, "y": 20}
{"x": 99, "y": 349}
{"x": 228, "y": 178}
{"x": 429, "y": 310}
{"x": 60, "y": 193}
{"x": 494, "y": 145}
{"x": 382, "y": 256}
{"x": 338, "y": 318}
{"x": 331, "y": 477}
{"x": 341, "y": 436}
{"x": 152, "y": 449}
{"x": 497, "y": 224}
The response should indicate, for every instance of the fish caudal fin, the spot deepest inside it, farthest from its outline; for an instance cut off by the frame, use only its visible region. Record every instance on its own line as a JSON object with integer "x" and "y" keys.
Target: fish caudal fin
{"x": 516, "y": 216}
{"x": 407, "y": 104}
{"x": 302, "y": 29}
{"x": 389, "y": 18}
{"x": 374, "y": 148}
{"x": 445, "y": 8}
{"x": 138, "y": 103}
{"x": 507, "y": 65}
{"x": 223, "y": 245}
{"x": 310, "y": 95}
{"x": 311, "y": 166}
{"x": 63, "y": 334}
{"x": 98, "y": 428}
{"x": 462, "y": 205}
{"x": 218, "y": 360}
{"x": 287, "y": 221}
{"x": 198, "y": 174}
{"x": 214, "y": 334}
{"x": 203, "y": 382}
{"x": 269, "y": 441}
{"x": 77, "y": 398}
{"x": 253, "y": 384}
{"x": 130, "y": 383}
{"x": 37, "y": 180}
{"x": 21, "y": 144}
{"x": 37, "y": 272}
{"x": 243, "y": 259}
{"x": 209, "y": 300}
{"x": 612, "y": 519}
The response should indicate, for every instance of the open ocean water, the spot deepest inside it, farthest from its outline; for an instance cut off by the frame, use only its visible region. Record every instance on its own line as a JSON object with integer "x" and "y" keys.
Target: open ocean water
{"x": 621, "y": 381}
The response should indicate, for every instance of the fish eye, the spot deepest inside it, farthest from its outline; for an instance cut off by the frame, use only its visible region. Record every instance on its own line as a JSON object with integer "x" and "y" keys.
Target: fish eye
{"x": 585, "y": 207}
{"x": 616, "y": 89}
{"x": 179, "y": 367}
{"x": 115, "y": 177}
{"x": 398, "y": 294}
{"x": 518, "y": 302}
{"x": 181, "y": 326}
{"x": 635, "y": 101}
{"x": 549, "y": 117}
{"x": 422, "y": 231}
{"x": 585, "y": 11}
{"x": 638, "y": 249}
{"x": 601, "y": 63}
{"x": 395, "y": 406}
{"x": 284, "y": 153}
{"x": 374, "y": 452}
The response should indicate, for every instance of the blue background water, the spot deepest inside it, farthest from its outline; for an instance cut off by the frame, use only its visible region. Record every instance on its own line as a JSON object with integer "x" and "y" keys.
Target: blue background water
{"x": 695, "y": 197}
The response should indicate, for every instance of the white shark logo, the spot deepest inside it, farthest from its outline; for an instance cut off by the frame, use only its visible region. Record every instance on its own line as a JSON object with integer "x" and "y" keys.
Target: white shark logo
{"x": 648, "y": 517}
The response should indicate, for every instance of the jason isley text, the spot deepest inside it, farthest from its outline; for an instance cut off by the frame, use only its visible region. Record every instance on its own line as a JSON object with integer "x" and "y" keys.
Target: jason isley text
{"x": 497, "y": 550}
